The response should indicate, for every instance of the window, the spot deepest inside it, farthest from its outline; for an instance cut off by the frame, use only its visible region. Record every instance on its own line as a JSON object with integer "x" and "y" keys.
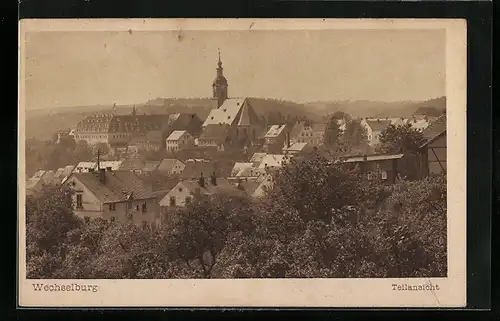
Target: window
{"x": 144, "y": 208}
{"x": 144, "y": 225}
{"x": 86, "y": 219}
{"x": 129, "y": 216}
{"x": 129, "y": 205}
{"x": 384, "y": 175}
{"x": 112, "y": 207}
{"x": 137, "y": 208}
{"x": 113, "y": 219}
{"x": 79, "y": 202}
{"x": 180, "y": 189}
{"x": 172, "y": 200}
{"x": 188, "y": 200}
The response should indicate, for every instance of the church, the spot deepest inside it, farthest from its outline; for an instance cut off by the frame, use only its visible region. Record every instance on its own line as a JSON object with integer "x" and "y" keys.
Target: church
{"x": 234, "y": 122}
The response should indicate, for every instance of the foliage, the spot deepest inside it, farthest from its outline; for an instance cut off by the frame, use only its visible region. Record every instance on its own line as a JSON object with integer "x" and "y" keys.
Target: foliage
{"x": 320, "y": 220}
{"x": 50, "y": 155}
{"x": 354, "y": 134}
{"x": 400, "y": 138}
{"x": 332, "y": 134}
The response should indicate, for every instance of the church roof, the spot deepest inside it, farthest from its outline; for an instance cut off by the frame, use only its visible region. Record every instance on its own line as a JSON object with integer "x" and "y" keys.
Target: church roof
{"x": 215, "y": 132}
{"x": 248, "y": 116}
{"x": 225, "y": 114}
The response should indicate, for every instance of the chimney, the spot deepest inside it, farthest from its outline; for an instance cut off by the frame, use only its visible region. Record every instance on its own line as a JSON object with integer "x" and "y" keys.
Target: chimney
{"x": 213, "y": 179}
{"x": 102, "y": 175}
{"x": 109, "y": 168}
{"x": 287, "y": 140}
{"x": 201, "y": 180}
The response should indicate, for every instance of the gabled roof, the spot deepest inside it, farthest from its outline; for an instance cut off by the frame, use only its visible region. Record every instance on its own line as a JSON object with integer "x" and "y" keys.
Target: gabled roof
{"x": 251, "y": 172}
{"x": 115, "y": 165}
{"x": 225, "y": 114}
{"x": 176, "y": 135}
{"x": 33, "y": 183}
{"x": 194, "y": 169}
{"x": 248, "y": 116}
{"x": 223, "y": 186}
{"x": 275, "y": 131}
{"x": 167, "y": 164}
{"x": 154, "y": 136}
{"x": 68, "y": 170}
{"x": 297, "y": 128}
{"x": 118, "y": 187}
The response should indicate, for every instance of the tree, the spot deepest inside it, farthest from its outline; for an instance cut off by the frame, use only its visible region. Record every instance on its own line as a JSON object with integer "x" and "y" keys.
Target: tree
{"x": 332, "y": 134}
{"x": 49, "y": 219}
{"x": 354, "y": 134}
{"x": 400, "y": 138}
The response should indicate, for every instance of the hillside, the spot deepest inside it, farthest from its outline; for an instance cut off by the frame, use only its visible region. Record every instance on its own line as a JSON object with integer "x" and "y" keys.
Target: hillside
{"x": 42, "y": 123}
{"x": 365, "y": 108}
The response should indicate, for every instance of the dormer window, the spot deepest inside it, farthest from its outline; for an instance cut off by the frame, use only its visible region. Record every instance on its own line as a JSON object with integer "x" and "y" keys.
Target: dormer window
{"x": 212, "y": 117}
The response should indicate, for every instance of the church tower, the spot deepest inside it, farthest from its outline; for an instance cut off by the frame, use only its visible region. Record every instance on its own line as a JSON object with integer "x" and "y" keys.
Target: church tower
{"x": 219, "y": 85}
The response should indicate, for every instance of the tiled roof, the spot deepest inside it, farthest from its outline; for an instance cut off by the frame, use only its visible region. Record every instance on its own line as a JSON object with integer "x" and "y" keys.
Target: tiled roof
{"x": 176, "y": 135}
{"x": 33, "y": 183}
{"x": 118, "y": 186}
{"x": 225, "y": 114}
{"x": 167, "y": 164}
{"x": 275, "y": 131}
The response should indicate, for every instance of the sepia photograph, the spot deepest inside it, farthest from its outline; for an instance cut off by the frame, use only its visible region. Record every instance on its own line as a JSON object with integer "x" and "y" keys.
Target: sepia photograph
{"x": 240, "y": 162}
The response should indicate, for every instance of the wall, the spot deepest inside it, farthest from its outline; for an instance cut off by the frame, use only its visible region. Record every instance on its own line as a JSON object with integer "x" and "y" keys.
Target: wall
{"x": 91, "y": 206}
{"x": 437, "y": 148}
{"x": 180, "y": 192}
{"x": 125, "y": 209}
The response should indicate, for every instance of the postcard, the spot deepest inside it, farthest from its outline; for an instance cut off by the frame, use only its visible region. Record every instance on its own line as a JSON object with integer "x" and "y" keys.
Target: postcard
{"x": 242, "y": 163}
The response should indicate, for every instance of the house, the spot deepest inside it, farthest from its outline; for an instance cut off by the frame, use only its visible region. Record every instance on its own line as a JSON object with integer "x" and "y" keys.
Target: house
{"x": 171, "y": 166}
{"x": 384, "y": 167}
{"x": 116, "y": 196}
{"x": 432, "y": 154}
{"x": 305, "y": 132}
{"x": 179, "y": 139}
{"x": 374, "y": 127}
{"x": 183, "y": 121}
{"x": 186, "y": 190}
{"x": 275, "y": 138}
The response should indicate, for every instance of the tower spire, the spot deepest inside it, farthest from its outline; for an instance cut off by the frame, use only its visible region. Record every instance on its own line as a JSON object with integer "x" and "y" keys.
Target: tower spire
{"x": 219, "y": 85}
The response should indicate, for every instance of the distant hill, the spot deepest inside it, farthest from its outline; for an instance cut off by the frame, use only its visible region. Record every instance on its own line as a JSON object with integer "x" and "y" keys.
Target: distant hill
{"x": 43, "y": 123}
{"x": 366, "y": 108}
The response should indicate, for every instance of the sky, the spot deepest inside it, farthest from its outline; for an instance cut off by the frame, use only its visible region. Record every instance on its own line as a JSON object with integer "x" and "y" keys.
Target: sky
{"x": 78, "y": 68}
